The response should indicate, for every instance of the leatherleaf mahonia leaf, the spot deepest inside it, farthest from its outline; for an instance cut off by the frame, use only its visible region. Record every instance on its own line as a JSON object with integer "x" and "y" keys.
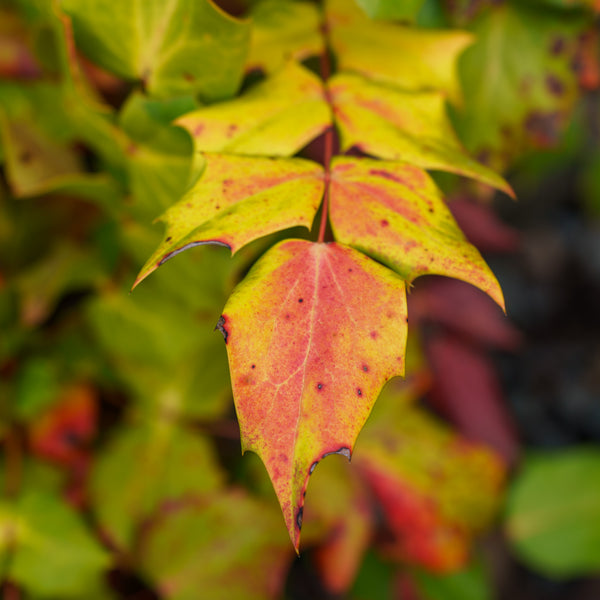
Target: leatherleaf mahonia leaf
{"x": 282, "y": 30}
{"x": 404, "y": 57}
{"x": 276, "y": 117}
{"x": 412, "y": 127}
{"x": 435, "y": 490}
{"x": 398, "y": 216}
{"x": 174, "y": 47}
{"x": 312, "y": 335}
{"x": 238, "y": 200}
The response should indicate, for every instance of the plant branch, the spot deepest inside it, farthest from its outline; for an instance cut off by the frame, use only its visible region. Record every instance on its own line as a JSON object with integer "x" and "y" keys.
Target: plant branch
{"x": 325, "y": 64}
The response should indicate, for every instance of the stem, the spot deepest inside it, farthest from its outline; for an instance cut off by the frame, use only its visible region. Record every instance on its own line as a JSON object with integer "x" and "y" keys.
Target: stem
{"x": 328, "y": 140}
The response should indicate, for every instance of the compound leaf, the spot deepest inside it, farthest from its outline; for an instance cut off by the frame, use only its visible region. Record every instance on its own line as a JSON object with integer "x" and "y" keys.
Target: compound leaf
{"x": 238, "y": 200}
{"x": 312, "y": 334}
{"x": 412, "y": 127}
{"x": 276, "y": 117}
{"x": 395, "y": 213}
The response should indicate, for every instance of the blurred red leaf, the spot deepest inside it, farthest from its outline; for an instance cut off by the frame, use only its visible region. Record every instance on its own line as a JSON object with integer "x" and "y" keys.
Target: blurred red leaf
{"x": 467, "y": 392}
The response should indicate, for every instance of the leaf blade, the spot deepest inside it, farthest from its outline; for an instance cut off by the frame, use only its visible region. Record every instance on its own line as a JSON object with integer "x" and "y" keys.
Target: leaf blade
{"x": 284, "y": 385}
{"x": 395, "y": 213}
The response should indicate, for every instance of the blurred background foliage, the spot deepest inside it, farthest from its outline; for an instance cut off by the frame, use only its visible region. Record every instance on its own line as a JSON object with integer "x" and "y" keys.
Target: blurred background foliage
{"x": 121, "y": 473}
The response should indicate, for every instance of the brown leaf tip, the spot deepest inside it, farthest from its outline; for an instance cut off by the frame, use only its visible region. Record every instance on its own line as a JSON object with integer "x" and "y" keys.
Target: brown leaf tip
{"x": 221, "y": 327}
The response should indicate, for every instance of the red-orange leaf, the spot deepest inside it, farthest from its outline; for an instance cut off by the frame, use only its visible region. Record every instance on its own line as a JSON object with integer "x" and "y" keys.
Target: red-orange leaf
{"x": 312, "y": 334}
{"x": 395, "y": 213}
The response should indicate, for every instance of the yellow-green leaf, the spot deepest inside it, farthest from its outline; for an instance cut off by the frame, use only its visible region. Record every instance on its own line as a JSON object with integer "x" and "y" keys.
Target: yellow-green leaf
{"x": 395, "y": 213}
{"x": 174, "y": 47}
{"x": 411, "y": 127}
{"x": 404, "y": 57}
{"x": 312, "y": 335}
{"x": 276, "y": 117}
{"x": 238, "y": 200}
{"x": 282, "y": 30}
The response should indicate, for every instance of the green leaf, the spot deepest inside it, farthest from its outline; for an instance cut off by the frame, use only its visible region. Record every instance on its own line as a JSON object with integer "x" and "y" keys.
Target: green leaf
{"x": 238, "y": 200}
{"x": 472, "y": 583}
{"x": 174, "y": 47}
{"x": 226, "y": 547}
{"x": 176, "y": 465}
{"x": 395, "y": 213}
{"x": 519, "y": 81}
{"x": 156, "y": 340}
{"x": 52, "y": 554}
{"x": 159, "y": 155}
{"x": 391, "y": 9}
{"x": 276, "y": 117}
{"x": 553, "y": 512}
{"x": 409, "y": 59}
{"x": 412, "y": 127}
{"x": 283, "y": 30}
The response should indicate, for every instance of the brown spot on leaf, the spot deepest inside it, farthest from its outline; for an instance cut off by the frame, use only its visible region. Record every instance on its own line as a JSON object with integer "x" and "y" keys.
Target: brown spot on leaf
{"x": 384, "y": 222}
{"x": 557, "y": 46}
{"x": 189, "y": 77}
{"x": 555, "y": 85}
{"x": 25, "y": 157}
{"x": 221, "y": 327}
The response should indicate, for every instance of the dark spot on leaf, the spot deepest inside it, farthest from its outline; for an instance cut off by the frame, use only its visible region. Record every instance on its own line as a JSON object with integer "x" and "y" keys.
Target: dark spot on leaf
{"x": 384, "y": 222}
{"x": 358, "y": 392}
{"x": 221, "y": 327}
{"x": 313, "y": 467}
{"x": 555, "y": 85}
{"x": 365, "y": 368}
{"x": 299, "y": 518}
{"x": 300, "y": 300}
{"x": 287, "y": 316}
{"x": 344, "y": 451}
{"x": 189, "y": 77}
{"x": 557, "y": 46}
{"x": 350, "y": 270}
{"x": 374, "y": 335}
{"x": 217, "y": 206}
{"x": 319, "y": 386}
{"x": 544, "y": 128}
{"x": 25, "y": 157}
{"x": 406, "y": 320}
{"x": 430, "y": 209}
{"x": 253, "y": 366}
{"x": 168, "y": 239}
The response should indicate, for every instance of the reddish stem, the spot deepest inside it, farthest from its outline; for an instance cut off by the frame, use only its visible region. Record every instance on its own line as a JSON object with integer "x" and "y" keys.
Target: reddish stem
{"x": 328, "y": 140}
